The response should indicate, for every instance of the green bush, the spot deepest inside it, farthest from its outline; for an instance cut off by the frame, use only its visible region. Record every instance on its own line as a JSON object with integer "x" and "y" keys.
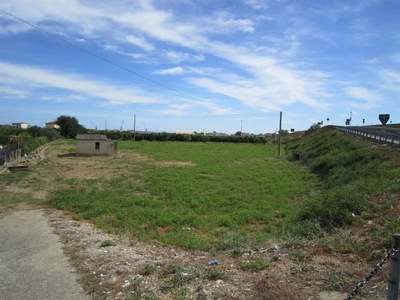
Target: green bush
{"x": 107, "y": 243}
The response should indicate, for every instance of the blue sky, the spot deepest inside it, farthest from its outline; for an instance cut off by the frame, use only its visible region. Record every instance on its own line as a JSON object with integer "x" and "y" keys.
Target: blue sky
{"x": 200, "y": 65}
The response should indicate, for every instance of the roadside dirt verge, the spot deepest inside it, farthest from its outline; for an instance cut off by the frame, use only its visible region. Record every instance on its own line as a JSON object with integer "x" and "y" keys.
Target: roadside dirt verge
{"x": 129, "y": 268}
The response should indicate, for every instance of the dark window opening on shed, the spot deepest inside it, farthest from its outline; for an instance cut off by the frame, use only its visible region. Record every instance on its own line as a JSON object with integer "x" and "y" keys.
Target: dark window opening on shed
{"x": 97, "y": 145}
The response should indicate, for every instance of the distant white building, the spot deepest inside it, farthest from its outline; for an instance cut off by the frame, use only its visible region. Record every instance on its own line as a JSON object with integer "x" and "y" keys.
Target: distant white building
{"x": 184, "y": 131}
{"x": 22, "y": 125}
{"x": 52, "y": 125}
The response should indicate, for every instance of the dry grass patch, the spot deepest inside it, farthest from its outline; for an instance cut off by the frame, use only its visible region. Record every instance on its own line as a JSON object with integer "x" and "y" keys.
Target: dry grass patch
{"x": 175, "y": 164}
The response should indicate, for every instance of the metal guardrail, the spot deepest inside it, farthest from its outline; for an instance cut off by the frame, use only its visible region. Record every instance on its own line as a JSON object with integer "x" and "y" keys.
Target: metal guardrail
{"x": 380, "y": 134}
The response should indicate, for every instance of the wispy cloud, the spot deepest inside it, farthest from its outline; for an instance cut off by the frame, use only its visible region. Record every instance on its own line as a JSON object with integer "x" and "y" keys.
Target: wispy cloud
{"x": 174, "y": 110}
{"x": 140, "y": 42}
{"x": 272, "y": 87}
{"x": 257, "y": 4}
{"x": 390, "y": 80}
{"x": 11, "y": 92}
{"x": 171, "y": 71}
{"x": 31, "y": 77}
{"x": 256, "y": 55}
{"x": 227, "y": 24}
{"x": 369, "y": 99}
{"x": 177, "y": 57}
{"x": 281, "y": 85}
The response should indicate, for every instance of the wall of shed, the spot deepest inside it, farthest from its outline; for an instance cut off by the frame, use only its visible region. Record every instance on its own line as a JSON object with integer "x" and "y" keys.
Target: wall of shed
{"x": 88, "y": 148}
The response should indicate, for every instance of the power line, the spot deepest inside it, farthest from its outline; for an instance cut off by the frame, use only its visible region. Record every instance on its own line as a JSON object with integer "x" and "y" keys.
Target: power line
{"x": 98, "y": 56}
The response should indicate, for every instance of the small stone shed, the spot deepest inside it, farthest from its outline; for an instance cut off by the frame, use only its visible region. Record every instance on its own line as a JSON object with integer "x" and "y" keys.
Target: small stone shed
{"x": 95, "y": 145}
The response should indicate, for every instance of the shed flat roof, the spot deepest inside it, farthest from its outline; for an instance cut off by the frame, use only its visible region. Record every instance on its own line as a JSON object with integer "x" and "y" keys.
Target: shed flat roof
{"x": 91, "y": 137}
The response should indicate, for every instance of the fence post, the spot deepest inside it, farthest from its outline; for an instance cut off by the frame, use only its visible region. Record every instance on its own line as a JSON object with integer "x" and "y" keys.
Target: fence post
{"x": 394, "y": 275}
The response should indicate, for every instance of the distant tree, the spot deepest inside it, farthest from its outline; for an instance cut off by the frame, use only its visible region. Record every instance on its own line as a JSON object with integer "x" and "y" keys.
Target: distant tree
{"x": 69, "y": 126}
{"x": 51, "y": 133}
{"x": 163, "y": 136}
{"x": 34, "y": 131}
{"x": 239, "y": 133}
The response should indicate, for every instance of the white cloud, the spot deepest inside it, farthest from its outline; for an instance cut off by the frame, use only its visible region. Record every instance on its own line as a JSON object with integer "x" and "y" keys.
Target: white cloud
{"x": 390, "y": 80}
{"x": 281, "y": 85}
{"x": 71, "y": 14}
{"x": 177, "y": 57}
{"x": 394, "y": 76}
{"x": 174, "y": 110}
{"x": 215, "y": 109}
{"x": 257, "y": 4}
{"x": 273, "y": 80}
{"x": 171, "y": 71}
{"x": 362, "y": 93}
{"x": 10, "y": 92}
{"x": 140, "y": 42}
{"x": 32, "y": 77}
{"x": 21, "y": 81}
{"x": 204, "y": 71}
{"x": 272, "y": 86}
{"x": 230, "y": 25}
{"x": 370, "y": 99}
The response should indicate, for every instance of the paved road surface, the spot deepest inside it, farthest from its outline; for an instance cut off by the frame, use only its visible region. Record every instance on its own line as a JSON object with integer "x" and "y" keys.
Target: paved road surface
{"x": 32, "y": 264}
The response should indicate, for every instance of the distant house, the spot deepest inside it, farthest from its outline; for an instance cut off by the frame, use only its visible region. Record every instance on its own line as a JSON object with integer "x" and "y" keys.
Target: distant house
{"x": 95, "y": 145}
{"x": 214, "y": 133}
{"x": 22, "y": 125}
{"x": 184, "y": 131}
{"x": 52, "y": 125}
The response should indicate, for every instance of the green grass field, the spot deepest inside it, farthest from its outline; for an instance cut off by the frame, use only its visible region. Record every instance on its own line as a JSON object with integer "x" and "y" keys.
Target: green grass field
{"x": 218, "y": 195}
{"x": 192, "y": 194}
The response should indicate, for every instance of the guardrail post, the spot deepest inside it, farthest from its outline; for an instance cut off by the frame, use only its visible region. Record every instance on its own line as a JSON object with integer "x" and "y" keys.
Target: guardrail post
{"x": 394, "y": 275}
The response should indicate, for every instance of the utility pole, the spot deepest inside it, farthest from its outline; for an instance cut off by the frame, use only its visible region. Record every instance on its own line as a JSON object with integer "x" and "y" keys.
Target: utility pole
{"x": 280, "y": 133}
{"x": 241, "y": 130}
{"x": 134, "y": 130}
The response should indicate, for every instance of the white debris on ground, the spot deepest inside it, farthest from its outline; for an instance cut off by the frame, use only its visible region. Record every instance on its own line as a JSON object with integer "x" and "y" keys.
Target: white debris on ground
{"x": 144, "y": 271}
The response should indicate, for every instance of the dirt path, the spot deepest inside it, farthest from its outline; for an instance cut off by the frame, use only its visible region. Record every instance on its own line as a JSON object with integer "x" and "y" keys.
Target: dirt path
{"x": 32, "y": 263}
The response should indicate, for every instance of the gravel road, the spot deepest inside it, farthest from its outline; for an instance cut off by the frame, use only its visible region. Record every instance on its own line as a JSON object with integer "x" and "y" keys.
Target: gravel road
{"x": 32, "y": 264}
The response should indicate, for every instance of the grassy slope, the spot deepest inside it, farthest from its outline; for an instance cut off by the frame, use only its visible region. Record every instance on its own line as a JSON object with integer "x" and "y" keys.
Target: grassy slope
{"x": 358, "y": 177}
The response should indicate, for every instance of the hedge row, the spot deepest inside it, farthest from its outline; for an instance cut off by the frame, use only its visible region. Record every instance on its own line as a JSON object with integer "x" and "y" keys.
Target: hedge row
{"x": 165, "y": 136}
